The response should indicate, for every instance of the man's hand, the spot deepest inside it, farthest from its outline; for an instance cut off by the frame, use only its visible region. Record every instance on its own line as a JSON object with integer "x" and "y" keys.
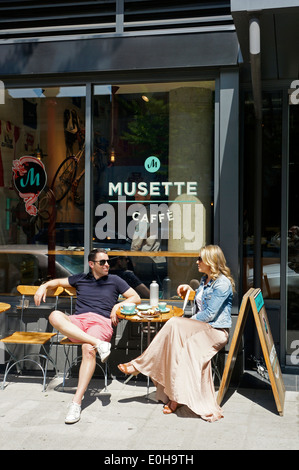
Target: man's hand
{"x": 40, "y": 295}
{"x": 130, "y": 296}
{"x": 41, "y": 292}
{"x": 113, "y": 316}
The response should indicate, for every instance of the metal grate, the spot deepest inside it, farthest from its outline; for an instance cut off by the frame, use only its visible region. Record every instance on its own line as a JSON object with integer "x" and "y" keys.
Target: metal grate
{"x": 149, "y": 14}
{"x": 25, "y": 19}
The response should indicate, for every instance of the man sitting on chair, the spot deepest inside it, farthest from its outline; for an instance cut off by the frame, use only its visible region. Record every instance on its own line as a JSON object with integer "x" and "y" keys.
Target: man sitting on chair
{"x": 95, "y": 315}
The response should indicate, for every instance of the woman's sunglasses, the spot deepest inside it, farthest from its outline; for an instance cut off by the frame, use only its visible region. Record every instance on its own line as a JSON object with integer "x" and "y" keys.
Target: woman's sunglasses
{"x": 199, "y": 259}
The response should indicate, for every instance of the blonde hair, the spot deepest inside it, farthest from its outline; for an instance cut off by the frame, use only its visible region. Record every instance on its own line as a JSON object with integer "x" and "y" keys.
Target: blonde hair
{"x": 213, "y": 256}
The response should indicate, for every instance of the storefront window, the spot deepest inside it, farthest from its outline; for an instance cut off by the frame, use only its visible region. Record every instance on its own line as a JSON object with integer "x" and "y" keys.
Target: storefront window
{"x": 152, "y": 184}
{"x": 41, "y": 204}
{"x": 271, "y": 194}
{"x": 153, "y": 178}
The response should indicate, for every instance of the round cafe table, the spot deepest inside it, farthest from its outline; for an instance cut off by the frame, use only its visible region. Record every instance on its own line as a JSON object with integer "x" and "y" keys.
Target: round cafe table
{"x": 162, "y": 317}
{"x": 4, "y": 307}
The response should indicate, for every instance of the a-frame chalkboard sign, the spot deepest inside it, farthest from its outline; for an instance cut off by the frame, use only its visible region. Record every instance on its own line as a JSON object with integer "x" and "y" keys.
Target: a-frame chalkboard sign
{"x": 254, "y": 299}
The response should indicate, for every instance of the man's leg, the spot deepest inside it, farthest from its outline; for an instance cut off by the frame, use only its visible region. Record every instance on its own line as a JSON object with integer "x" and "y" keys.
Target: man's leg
{"x": 98, "y": 327}
{"x": 62, "y": 323}
{"x": 91, "y": 344}
{"x": 86, "y": 371}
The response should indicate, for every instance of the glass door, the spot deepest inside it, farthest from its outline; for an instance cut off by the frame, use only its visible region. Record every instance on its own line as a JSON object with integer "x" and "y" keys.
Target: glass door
{"x": 292, "y": 322}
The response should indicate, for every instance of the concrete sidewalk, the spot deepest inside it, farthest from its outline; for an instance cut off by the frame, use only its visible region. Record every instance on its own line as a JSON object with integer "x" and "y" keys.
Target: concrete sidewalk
{"x": 124, "y": 418}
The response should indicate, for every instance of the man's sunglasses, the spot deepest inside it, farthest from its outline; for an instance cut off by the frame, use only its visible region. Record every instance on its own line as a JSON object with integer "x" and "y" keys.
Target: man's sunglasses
{"x": 102, "y": 262}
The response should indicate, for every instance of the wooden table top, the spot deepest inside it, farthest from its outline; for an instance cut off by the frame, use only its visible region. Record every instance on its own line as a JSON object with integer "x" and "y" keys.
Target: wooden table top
{"x": 4, "y": 307}
{"x": 161, "y": 318}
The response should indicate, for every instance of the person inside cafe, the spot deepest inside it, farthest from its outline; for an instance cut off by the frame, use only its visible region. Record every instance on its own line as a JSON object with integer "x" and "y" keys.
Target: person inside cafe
{"x": 178, "y": 360}
{"x": 119, "y": 266}
{"x": 94, "y": 317}
{"x": 147, "y": 238}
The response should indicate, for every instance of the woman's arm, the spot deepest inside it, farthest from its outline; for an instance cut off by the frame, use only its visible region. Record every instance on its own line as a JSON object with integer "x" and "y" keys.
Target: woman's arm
{"x": 220, "y": 294}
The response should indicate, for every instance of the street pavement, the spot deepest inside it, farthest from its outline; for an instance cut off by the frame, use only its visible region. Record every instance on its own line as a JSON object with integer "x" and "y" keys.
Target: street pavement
{"x": 124, "y": 419}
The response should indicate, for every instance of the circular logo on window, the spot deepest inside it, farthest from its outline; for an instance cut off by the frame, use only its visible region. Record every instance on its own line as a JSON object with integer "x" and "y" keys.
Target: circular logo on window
{"x": 152, "y": 164}
{"x": 29, "y": 177}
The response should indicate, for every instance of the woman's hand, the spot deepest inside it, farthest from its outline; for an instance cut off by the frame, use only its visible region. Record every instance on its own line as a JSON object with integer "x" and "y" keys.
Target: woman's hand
{"x": 182, "y": 289}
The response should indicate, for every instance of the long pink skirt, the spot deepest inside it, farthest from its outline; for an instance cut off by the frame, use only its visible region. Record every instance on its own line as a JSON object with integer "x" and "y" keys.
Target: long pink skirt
{"x": 178, "y": 360}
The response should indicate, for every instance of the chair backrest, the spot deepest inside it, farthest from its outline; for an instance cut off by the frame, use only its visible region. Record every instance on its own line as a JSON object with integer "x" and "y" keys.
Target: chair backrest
{"x": 31, "y": 290}
{"x": 72, "y": 292}
{"x": 188, "y": 295}
{"x": 26, "y": 291}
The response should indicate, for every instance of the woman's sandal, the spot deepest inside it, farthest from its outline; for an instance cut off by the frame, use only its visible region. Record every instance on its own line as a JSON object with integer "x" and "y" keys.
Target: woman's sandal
{"x": 171, "y": 407}
{"x": 125, "y": 369}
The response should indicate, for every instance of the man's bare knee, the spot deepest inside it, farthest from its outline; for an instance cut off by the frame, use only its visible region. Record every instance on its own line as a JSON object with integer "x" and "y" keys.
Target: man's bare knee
{"x": 56, "y": 317}
{"x": 88, "y": 351}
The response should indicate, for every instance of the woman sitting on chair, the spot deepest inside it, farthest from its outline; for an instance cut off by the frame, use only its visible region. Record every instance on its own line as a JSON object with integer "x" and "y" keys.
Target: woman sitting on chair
{"x": 178, "y": 360}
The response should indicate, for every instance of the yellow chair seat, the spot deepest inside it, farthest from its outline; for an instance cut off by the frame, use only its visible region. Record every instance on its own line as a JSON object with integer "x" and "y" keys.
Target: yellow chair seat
{"x": 28, "y": 337}
{"x": 66, "y": 340}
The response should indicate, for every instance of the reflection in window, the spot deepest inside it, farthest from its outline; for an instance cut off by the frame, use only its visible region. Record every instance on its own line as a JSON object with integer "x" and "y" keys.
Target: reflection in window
{"x": 47, "y": 125}
{"x": 153, "y": 175}
{"x": 293, "y": 241}
{"x": 271, "y": 194}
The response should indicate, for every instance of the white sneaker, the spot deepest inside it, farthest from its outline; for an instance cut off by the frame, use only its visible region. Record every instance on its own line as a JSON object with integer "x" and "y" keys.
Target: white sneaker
{"x": 104, "y": 349}
{"x": 73, "y": 414}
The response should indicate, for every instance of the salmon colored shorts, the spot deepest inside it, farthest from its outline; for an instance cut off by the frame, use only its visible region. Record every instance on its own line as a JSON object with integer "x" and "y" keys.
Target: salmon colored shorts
{"x": 95, "y": 325}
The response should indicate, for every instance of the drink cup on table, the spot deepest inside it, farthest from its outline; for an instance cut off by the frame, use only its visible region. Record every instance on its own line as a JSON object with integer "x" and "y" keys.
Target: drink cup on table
{"x": 162, "y": 306}
{"x": 129, "y": 307}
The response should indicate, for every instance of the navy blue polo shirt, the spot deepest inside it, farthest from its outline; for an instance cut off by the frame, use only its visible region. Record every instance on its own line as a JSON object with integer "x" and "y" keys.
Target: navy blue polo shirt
{"x": 97, "y": 295}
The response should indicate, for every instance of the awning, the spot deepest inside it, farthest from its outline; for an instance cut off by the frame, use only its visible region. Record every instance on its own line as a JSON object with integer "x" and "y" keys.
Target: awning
{"x": 153, "y": 52}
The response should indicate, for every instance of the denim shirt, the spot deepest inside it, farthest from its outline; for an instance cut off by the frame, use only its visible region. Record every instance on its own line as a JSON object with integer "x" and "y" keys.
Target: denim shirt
{"x": 216, "y": 302}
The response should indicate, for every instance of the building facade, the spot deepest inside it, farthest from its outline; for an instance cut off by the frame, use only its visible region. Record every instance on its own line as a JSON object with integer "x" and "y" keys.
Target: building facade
{"x": 150, "y": 129}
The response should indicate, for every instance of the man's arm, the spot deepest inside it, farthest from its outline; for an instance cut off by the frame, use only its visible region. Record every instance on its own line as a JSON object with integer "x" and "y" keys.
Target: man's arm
{"x": 130, "y": 296}
{"x": 41, "y": 292}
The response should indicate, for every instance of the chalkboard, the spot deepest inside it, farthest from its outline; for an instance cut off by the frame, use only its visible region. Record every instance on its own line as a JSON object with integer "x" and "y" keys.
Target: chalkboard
{"x": 268, "y": 348}
{"x": 254, "y": 299}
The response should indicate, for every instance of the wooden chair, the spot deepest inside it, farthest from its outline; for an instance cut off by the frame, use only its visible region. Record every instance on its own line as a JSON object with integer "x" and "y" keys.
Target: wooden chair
{"x": 188, "y": 296}
{"x": 68, "y": 347}
{"x": 24, "y": 337}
